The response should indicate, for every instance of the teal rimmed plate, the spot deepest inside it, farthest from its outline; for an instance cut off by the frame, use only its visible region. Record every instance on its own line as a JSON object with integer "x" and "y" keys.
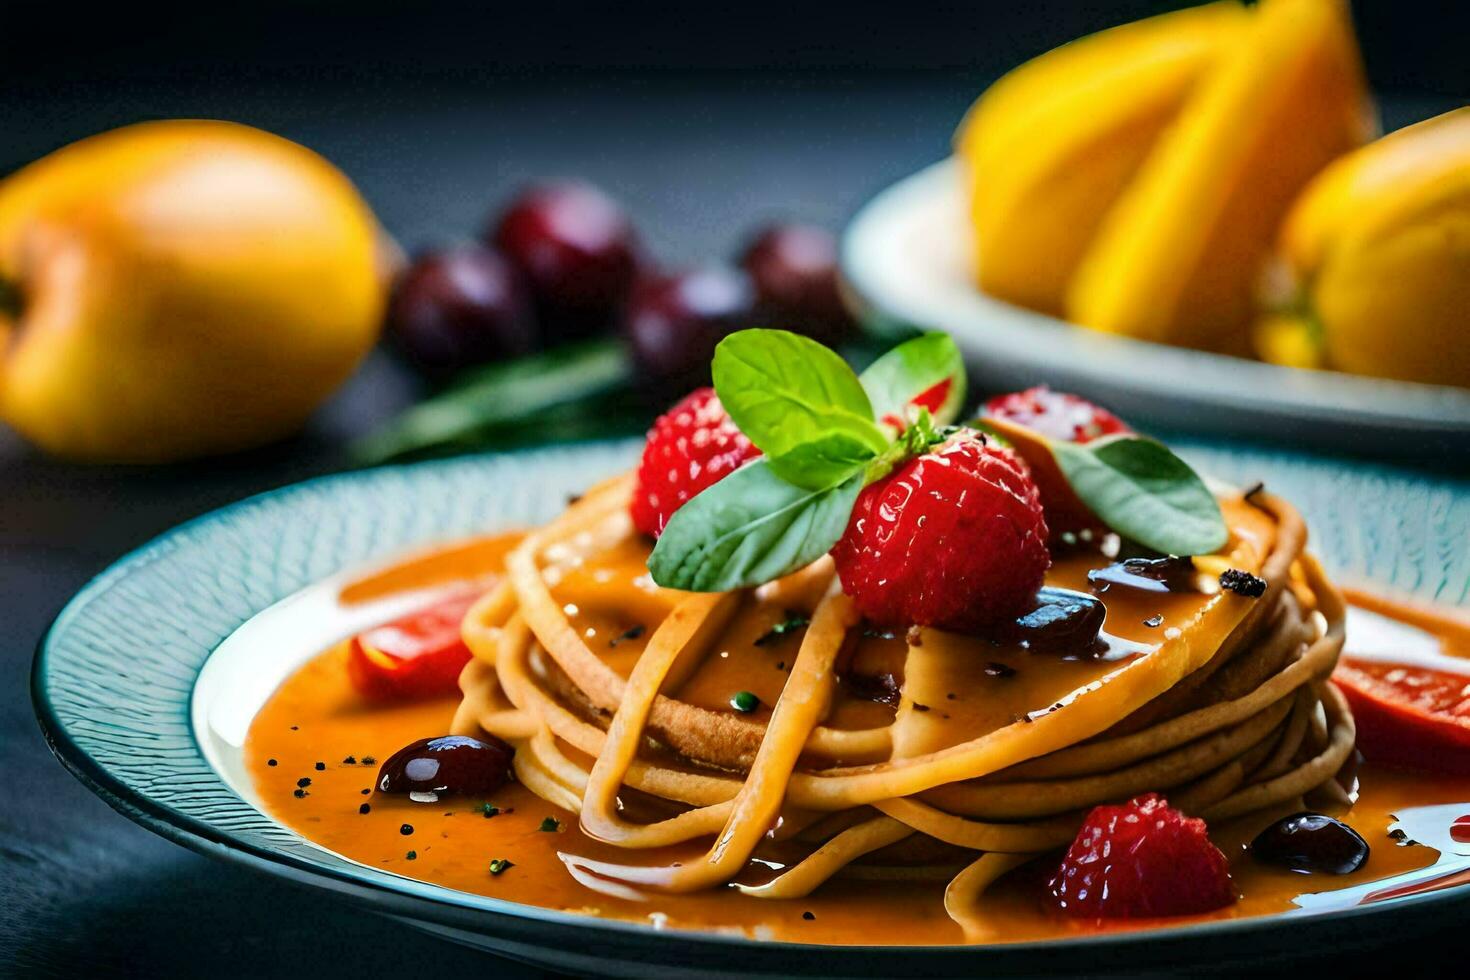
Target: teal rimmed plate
{"x": 138, "y": 692}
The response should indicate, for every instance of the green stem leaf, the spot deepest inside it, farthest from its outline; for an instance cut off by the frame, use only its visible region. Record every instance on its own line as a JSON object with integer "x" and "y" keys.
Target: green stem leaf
{"x": 514, "y": 393}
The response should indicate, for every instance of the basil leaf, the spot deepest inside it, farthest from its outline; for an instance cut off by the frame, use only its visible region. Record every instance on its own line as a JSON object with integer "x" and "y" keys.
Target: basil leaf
{"x": 748, "y": 529}
{"x": 1139, "y": 488}
{"x": 783, "y": 390}
{"x": 822, "y": 462}
{"x": 927, "y": 370}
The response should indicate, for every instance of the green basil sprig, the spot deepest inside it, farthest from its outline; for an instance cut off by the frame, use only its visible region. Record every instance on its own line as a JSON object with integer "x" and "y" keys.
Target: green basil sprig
{"x": 1139, "y": 488}
{"x": 814, "y": 420}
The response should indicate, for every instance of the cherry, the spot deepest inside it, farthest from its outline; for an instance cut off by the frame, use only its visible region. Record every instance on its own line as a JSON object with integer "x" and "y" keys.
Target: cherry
{"x": 577, "y": 251}
{"x": 458, "y": 307}
{"x": 1170, "y": 574}
{"x": 1062, "y": 621}
{"x": 794, "y": 268}
{"x": 1310, "y": 843}
{"x": 456, "y": 765}
{"x": 674, "y": 322}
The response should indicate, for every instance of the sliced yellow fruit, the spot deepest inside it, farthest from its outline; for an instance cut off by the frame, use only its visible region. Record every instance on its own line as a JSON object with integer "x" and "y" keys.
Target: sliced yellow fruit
{"x": 1178, "y": 258}
{"x": 1049, "y": 147}
{"x": 1376, "y": 254}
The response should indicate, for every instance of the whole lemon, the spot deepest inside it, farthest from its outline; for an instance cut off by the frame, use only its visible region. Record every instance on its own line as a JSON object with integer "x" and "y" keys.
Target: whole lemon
{"x": 181, "y": 288}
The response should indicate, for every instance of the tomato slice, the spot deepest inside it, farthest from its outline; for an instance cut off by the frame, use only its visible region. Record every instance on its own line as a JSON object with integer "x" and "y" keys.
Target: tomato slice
{"x": 1409, "y": 716}
{"x": 416, "y": 656}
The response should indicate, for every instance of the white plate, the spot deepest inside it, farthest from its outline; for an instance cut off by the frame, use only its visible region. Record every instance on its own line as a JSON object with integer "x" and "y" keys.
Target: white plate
{"x": 906, "y": 260}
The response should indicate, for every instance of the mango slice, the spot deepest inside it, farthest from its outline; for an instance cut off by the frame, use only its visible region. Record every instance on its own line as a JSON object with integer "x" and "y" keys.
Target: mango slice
{"x": 1178, "y": 258}
{"x": 1049, "y": 147}
{"x": 1375, "y": 258}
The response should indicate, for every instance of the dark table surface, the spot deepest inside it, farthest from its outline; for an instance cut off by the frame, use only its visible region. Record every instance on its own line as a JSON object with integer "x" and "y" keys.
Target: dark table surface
{"x": 699, "y": 160}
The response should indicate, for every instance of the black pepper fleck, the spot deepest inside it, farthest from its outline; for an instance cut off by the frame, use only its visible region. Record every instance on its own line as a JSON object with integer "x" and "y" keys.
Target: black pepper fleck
{"x": 920, "y": 707}
{"x": 321, "y": 767}
{"x": 490, "y": 810}
{"x": 350, "y": 761}
{"x": 304, "y": 782}
{"x": 406, "y": 829}
{"x": 367, "y": 792}
{"x": 550, "y": 825}
{"x": 295, "y": 728}
{"x": 412, "y": 855}
{"x": 1242, "y": 583}
{"x": 365, "y": 808}
{"x": 809, "y": 916}
{"x": 368, "y": 760}
{"x": 271, "y": 762}
{"x": 632, "y": 633}
{"x": 300, "y": 794}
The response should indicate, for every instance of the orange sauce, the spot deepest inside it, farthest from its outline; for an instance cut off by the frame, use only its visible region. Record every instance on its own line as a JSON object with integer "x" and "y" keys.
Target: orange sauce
{"x": 315, "y": 717}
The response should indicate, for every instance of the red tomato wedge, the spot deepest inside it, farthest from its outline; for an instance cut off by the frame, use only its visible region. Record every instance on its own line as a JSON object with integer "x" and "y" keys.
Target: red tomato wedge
{"x": 416, "y": 656}
{"x": 1408, "y": 716}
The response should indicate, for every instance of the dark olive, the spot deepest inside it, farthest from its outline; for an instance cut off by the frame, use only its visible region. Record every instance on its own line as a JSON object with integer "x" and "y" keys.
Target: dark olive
{"x": 458, "y": 307}
{"x": 1062, "y": 621}
{"x": 674, "y": 322}
{"x": 1146, "y": 574}
{"x": 1311, "y": 843}
{"x": 794, "y": 268}
{"x": 454, "y": 765}
{"x": 578, "y": 253}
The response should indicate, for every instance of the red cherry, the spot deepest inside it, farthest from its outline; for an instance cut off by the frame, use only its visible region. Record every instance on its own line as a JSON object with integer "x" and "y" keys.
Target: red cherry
{"x": 577, "y": 251}
{"x": 458, "y": 307}
{"x": 455, "y": 765}
{"x": 674, "y": 322}
{"x": 795, "y": 272}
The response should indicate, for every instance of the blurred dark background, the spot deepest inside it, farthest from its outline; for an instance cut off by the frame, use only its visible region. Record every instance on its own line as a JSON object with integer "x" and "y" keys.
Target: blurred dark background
{"x": 707, "y": 120}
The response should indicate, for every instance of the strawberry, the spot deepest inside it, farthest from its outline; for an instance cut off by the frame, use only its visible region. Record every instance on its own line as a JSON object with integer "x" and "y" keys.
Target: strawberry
{"x": 1058, "y": 416}
{"x": 692, "y": 446}
{"x": 953, "y": 538}
{"x": 1142, "y": 859}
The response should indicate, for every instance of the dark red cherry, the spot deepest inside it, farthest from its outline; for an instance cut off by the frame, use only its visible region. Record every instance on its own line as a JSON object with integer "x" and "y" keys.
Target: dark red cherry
{"x": 1170, "y": 574}
{"x": 674, "y": 322}
{"x": 1311, "y": 843}
{"x": 577, "y": 251}
{"x": 1062, "y": 621}
{"x": 452, "y": 765}
{"x": 458, "y": 307}
{"x": 794, "y": 268}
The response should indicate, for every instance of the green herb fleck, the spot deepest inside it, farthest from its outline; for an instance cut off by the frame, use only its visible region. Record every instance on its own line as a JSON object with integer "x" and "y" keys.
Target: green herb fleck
{"x": 781, "y": 629}
{"x": 550, "y": 825}
{"x": 499, "y": 866}
{"x": 489, "y": 810}
{"x": 744, "y": 701}
{"x": 412, "y": 855}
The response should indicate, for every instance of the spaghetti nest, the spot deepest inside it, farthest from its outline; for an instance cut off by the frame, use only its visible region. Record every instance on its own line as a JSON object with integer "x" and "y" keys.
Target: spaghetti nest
{"x": 1231, "y": 712}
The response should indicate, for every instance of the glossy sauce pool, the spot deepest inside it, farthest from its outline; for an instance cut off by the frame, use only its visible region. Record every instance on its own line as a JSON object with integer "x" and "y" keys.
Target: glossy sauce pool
{"x": 316, "y": 719}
